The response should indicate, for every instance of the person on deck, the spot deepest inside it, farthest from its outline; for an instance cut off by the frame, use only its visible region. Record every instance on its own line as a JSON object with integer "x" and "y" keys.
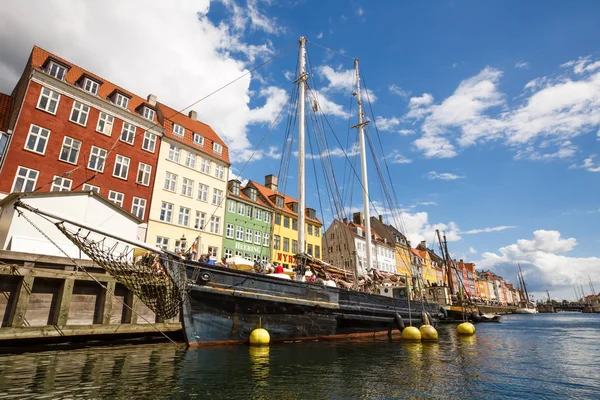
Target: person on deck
{"x": 278, "y": 269}
{"x": 224, "y": 262}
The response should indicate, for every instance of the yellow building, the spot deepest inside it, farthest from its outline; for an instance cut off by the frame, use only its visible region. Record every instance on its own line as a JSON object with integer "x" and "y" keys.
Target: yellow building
{"x": 188, "y": 199}
{"x": 284, "y": 243}
{"x": 430, "y": 267}
{"x": 401, "y": 244}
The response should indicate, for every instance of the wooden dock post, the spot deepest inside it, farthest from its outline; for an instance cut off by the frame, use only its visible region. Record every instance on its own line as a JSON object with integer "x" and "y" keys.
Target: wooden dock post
{"x": 16, "y": 317}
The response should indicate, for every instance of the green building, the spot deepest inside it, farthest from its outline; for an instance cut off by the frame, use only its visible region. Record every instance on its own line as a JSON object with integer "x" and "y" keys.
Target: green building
{"x": 247, "y": 224}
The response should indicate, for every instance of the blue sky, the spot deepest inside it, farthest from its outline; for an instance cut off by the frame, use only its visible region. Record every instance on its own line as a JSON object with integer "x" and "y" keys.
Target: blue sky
{"x": 489, "y": 112}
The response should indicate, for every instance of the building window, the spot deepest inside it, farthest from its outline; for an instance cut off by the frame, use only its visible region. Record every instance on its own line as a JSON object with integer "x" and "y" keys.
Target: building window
{"x": 48, "y": 101}
{"x": 184, "y": 216}
{"x": 174, "y": 153}
{"x": 219, "y": 171}
{"x": 277, "y": 219}
{"x": 266, "y": 239}
{"x": 286, "y": 222}
{"x": 249, "y": 233}
{"x": 57, "y": 70}
{"x": 70, "y": 150}
{"x": 215, "y": 225}
{"x": 170, "y": 182}
{"x": 90, "y": 86}
{"x": 258, "y": 213}
{"x": 217, "y": 196}
{"x": 213, "y": 251}
{"x": 239, "y": 233}
{"x": 317, "y": 231}
{"x": 121, "y": 169}
{"x": 162, "y": 243}
{"x": 149, "y": 113}
{"x": 143, "y": 174}
{"x": 257, "y": 237}
{"x": 166, "y": 212}
{"x": 249, "y": 211}
{"x": 241, "y": 208}
{"x": 205, "y": 166}
{"x": 105, "y": 124}
{"x": 60, "y": 184}
{"x": 198, "y": 139}
{"x": 128, "y": 133}
{"x": 116, "y": 197}
{"x": 267, "y": 217}
{"x": 178, "y": 130}
{"x": 149, "y": 143}
{"x": 217, "y": 148}
{"x": 228, "y": 253}
{"x": 79, "y": 113}
{"x": 238, "y": 253}
{"x": 25, "y": 180}
{"x": 229, "y": 231}
{"x": 286, "y": 244}
{"x": 202, "y": 192}
{"x": 309, "y": 229}
{"x": 190, "y": 160}
{"x": 276, "y": 242}
{"x": 37, "y": 139}
{"x": 187, "y": 187}
{"x": 231, "y": 206}
{"x": 138, "y": 207}
{"x": 310, "y": 249}
{"x": 121, "y": 100}
{"x": 294, "y": 224}
{"x": 200, "y": 221}
{"x": 294, "y": 246}
{"x": 91, "y": 188}
{"x": 97, "y": 159}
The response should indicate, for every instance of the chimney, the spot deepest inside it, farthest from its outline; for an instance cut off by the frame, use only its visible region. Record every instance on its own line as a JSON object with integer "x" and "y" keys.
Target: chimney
{"x": 461, "y": 261}
{"x": 193, "y": 115}
{"x": 357, "y": 218}
{"x": 152, "y": 99}
{"x": 271, "y": 182}
{"x": 381, "y": 219}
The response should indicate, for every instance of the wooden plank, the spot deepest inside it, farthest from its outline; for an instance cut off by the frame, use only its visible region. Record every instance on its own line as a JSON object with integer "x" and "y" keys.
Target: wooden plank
{"x": 19, "y": 308}
{"x": 8, "y": 255}
{"x": 53, "y": 274}
{"x": 64, "y": 302}
{"x": 84, "y": 330}
{"x": 107, "y": 302}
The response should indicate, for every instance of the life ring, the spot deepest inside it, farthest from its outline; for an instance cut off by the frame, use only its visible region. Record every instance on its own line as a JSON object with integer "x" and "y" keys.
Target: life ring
{"x": 205, "y": 276}
{"x": 399, "y": 322}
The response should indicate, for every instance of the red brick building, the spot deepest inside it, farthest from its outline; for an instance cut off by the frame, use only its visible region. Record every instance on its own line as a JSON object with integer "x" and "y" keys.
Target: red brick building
{"x": 69, "y": 129}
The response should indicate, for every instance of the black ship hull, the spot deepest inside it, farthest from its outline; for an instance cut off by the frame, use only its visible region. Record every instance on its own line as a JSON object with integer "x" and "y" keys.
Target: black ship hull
{"x": 225, "y": 305}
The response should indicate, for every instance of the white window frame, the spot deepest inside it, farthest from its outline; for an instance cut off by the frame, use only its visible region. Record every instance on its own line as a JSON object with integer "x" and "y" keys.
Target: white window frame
{"x": 215, "y": 225}
{"x": 40, "y": 135}
{"x": 230, "y": 231}
{"x": 203, "y": 192}
{"x": 239, "y": 233}
{"x": 217, "y": 196}
{"x": 149, "y": 142}
{"x": 178, "y": 130}
{"x": 241, "y": 208}
{"x": 128, "y": 133}
{"x": 198, "y": 139}
{"x": 99, "y": 156}
{"x": 249, "y": 235}
{"x": 228, "y": 253}
{"x": 149, "y": 113}
{"x": 200, "y": 220}
{"x": 90, "y": 85}
{"x": 162, "y": 243}
{"x": 231, "y": 206}
{"x": 183, "y": 218}
{"x": 217, "y": 148}
{"x": 266, "y": 239}
{"x": 219, "y": 171}
{"x": 69, "y": 147}
{"x": 166, "y": 212}
{"x": 87, "y": 187}
{"x": 190, "y": 160}
{"x": 51, "y": 98}
{"x": 107, "y": 121}
{"x": 114, "y": 197}
{"x": 27, "y": 176}
{"x": 143, "y": 174}
{"x": 174, "y": 153}
{"x": 79, "y": 113}
{"x": 170, "y": 182}
{"x": 257, "y": 237}
{"x": 121, "y": 168}
{"x": 205, "y": 165}
{"x": 60, "y": 184}
{"x": 57, "y": 70}
{"x": 187, "y": 187}
{"x": 258, "y": 213}
{"x": 121, "y": 100}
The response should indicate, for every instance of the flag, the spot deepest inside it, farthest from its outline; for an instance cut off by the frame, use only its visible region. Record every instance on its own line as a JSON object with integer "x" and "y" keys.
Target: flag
{"x": 194, "y": 249}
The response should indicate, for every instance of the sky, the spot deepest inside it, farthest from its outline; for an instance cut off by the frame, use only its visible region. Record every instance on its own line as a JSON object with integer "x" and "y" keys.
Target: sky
{"x": 485, "y": 115}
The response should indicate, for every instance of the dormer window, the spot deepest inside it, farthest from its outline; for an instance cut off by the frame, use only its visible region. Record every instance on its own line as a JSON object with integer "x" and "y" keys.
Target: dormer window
{"x": 90, "y": 86}
{"x": 148, "y": 113}
{"x": 198, "y": 139}
{"x": 359, "y": 231}
{"x": 217, "y": 148}
{"x": 295, "y": 207}
{"x": 56, "y": 70}
{"x": 279, "y": 201}
{"x": 121, "y": 100}
{"x": 235, "y": 188}
{"x": 178, "y": 130}
{"x": 252, "y": 194}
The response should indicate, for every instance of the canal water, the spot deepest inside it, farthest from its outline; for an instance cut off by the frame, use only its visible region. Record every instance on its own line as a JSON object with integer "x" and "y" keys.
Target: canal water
{"x": 525, "y": 356}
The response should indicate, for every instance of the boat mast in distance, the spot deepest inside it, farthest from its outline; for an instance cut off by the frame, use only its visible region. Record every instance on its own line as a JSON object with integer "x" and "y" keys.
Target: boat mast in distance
{"x": 363, "y": 167}
{"x": 301, "y": 146}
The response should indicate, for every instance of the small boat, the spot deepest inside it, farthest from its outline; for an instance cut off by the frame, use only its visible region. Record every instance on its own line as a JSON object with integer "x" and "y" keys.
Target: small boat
{"x": 526, "y": 310}
{"x": 489, "y": 317}
{"x": 526, "y": 306}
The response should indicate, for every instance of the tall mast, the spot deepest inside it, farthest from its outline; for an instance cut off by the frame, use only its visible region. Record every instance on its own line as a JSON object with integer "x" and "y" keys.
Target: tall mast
{"x": 444, "y": 247}
{"x": 524, "y": 284}
{"x": 301, "y": 149}
{"x": 363, "y": 167}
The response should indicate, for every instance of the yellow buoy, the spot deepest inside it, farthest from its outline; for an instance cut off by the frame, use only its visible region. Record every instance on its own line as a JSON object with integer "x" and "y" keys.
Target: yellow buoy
{"x": 428, "y": 332}
{"x": 260, "y": 337}
{"x": 466, "y": 328}
{"x": 411, "y": 333}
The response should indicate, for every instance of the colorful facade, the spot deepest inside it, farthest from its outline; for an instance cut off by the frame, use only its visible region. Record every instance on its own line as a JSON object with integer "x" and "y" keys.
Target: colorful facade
{"x": 401, "y": 245}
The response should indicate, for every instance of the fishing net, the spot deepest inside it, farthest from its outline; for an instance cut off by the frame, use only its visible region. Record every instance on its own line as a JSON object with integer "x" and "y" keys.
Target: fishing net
{"x": 154, "y": 278}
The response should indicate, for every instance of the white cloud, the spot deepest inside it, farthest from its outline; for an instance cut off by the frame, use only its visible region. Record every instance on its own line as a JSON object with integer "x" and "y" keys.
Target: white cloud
{"x": 343, "y": 81}
{"x": 445, "y": 176}
{"x": 319, "y": 35}
{"x": 488, "y": 230}
{"x": 472, "y": 251}
{"x": 522, "y": 64}
{"x": 325, "y": 105}
{"x": 396, "y": 158}
{"x": 207, "y": 55}
{"x": 582, "y": 65}
{"x": 406, "y": 132}
{"x": 589, "y": 164}
{"x": 387, "y": 124}
{"x": 397, "y": 90}
{"x": 252, "y": 16}
{"x": 565, "y": 150}
{"x": 360, "y": 12}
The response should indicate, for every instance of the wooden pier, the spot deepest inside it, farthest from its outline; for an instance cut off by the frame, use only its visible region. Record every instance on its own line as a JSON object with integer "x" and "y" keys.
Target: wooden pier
{"x": 45, "y": 297}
